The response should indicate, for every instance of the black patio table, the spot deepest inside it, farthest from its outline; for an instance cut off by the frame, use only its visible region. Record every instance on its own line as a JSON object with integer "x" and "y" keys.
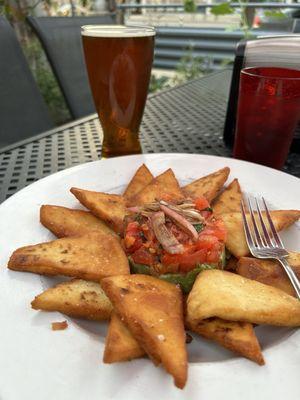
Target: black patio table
{"x": 184, "y": 119}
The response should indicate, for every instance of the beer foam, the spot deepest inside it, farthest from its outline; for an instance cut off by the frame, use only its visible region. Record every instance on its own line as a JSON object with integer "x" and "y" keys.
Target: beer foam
{"x": 111, "y": 31}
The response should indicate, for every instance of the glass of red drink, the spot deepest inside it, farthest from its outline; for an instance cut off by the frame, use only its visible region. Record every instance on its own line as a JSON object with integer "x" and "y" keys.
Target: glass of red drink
{"x": 267, "y": 116}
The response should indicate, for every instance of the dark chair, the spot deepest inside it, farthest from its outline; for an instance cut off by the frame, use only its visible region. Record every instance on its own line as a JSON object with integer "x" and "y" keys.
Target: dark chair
{"x": 61, "y": 39}
{"x": 296, "y": 25}
{"x": 23, "y": 112}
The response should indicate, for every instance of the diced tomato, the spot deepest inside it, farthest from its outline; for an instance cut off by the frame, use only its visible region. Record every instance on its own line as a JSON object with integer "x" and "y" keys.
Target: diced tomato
{"x": 189, "y": 261}
{"x": 132, "y": 227}
{"x": 186, "y": 261}
{"x": 132, "y": 239}
{"x": 131, "y": 248}
{"x": 215, "y": 228}
{"x": 140, "y": 242}
{"x": 129, "y": 241}
{"x": 201, "y": 203}
{"x": 168, "y": 259}
{"x": 190, "y": 248}
{"x": 213, "y": 255}
{"x": 207, "y": 249}
{"x": 206, "y": 241}
{"x": 143, "y": 256}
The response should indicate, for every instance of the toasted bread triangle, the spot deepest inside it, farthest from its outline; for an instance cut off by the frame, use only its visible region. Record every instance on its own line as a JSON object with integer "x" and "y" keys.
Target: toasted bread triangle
{"x": 152, "y": 311}
{"x": 238, "y": 337}
{"x": 270, "y": 272}
{"x": 208, "y": 186}
{"x": 120, "y": 345}
{"x": 164, "y": 187}
{"x": 108, "y": 207}
{"x": 92, "y": 257}
{"x": 231, "y": 297}
{"x": 76, "y": 298}
{"x": 229, "y": 200}
{"x": 141, "y": 179}
{"x": 236, "y": 241}
{"x": 65, "y": 222}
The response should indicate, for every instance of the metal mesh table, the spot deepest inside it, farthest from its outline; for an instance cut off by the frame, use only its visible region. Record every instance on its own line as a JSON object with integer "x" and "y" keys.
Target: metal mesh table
{"x": 185, "y": 119}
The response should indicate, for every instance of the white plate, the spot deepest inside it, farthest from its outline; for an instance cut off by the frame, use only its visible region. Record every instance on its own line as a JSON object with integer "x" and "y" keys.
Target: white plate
{"x": 37, "y": 363}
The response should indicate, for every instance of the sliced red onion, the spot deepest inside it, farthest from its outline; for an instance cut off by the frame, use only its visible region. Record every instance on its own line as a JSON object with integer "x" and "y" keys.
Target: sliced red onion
{"x": 181, "y": 221}
{"x": 163, "y": 235}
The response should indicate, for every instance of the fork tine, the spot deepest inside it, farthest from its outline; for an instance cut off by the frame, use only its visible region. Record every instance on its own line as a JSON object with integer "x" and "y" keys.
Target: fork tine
{"x": 273, "y": 229}
{"x": 248, "y": 233}
{"x": 265, "y": 237}
{"x": 256, "y": 231}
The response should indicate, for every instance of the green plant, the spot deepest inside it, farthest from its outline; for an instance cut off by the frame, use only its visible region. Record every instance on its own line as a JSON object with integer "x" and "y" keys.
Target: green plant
{"x": 46, "y": 81}
{"x": 191, "y": 67}
{"x": 247, "y": 14}
{"x": 226, "y": 62}
{"x": 277, "y": 14}
{"x": 158, "y": 83}
{"x": 189, "y": 6}
{"x": 225, "y": 9}
{"x": 222, "y": 9}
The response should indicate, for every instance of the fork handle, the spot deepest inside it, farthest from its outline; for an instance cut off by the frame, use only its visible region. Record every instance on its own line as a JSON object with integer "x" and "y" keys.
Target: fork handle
{"x": 291, "y": 274}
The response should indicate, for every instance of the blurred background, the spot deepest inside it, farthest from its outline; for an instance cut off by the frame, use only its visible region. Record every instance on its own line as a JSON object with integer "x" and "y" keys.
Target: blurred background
{"x": 193, "y": 38}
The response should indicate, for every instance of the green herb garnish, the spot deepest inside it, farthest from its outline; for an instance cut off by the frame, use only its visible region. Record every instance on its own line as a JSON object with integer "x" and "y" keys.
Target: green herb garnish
{"x": 139, "y": 268}
{"x": 199, "y": 227}
{"x": 187, "y": 280}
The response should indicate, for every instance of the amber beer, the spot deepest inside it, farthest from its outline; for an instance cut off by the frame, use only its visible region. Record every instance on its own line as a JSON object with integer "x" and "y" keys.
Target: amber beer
{"x": 119, "y": 61}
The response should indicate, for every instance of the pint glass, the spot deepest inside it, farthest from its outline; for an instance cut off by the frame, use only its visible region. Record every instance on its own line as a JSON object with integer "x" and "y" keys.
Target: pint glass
{"x": 118, "y": 60}
{"x": 268, "y": 114}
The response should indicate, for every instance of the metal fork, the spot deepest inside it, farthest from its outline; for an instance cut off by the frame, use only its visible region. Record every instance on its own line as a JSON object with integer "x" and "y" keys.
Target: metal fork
{"x": 264, "y": 242}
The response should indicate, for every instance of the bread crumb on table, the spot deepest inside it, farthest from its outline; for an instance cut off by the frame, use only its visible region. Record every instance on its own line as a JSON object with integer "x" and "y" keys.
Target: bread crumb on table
{"x": 59, "y": 326}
